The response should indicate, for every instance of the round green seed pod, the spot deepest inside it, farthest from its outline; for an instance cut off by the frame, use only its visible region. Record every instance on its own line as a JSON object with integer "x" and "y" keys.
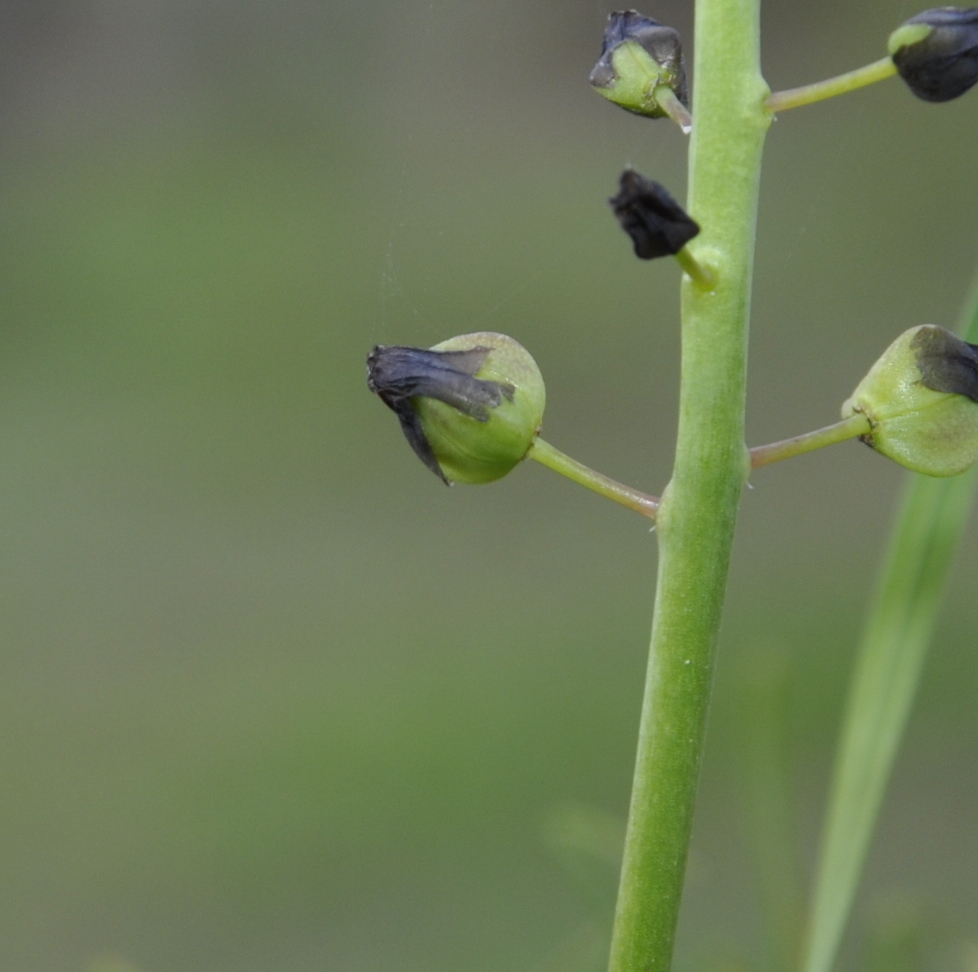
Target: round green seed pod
{"x": 481, "y": 446}
{"x": 921, "y": 398}
{"x": 638, "y": 55}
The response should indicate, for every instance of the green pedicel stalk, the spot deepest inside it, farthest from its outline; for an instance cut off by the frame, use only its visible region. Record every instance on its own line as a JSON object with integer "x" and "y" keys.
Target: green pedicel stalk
{"x": 551, "y": 457}
{"x": 800, "y": 444}
{"x": 808, "y": 94}
{"x": 701, "y": 275}
{"x": 698, "y": 510}
{"x": 544, "y": 453}
{"x": 888, "y": 666}
{"x": 676, "y": 111}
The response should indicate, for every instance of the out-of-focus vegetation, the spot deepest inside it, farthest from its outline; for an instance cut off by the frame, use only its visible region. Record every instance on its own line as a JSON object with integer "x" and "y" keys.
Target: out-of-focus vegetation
{"x": 272, "y": 697}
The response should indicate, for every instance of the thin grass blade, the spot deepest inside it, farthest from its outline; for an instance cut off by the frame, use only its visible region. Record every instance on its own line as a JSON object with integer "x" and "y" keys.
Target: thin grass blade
{"x": 932, "y": 516}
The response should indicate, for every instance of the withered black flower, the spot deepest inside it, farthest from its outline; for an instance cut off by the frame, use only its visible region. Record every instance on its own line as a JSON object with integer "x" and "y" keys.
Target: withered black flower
{"x": 936, "y": 52}
{"x": 656, "y": 223}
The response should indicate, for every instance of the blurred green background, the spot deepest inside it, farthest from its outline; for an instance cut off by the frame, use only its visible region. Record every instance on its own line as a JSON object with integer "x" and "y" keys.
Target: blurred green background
{"x": 273, "y": 699}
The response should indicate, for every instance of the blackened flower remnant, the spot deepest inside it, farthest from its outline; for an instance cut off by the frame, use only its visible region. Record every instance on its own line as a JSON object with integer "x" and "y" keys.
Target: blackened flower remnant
{"x": 399, "y": 375}
{"x": 638, "y": 56}
{"x": 936, "y": 52}
{"x": 656, "y": 223}
{"x": 470, "y": 407}
{"x": 921, "y": 399}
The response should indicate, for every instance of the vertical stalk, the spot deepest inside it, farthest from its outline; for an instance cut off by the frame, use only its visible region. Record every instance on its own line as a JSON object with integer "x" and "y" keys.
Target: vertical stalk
{"x": 698, "y": 510}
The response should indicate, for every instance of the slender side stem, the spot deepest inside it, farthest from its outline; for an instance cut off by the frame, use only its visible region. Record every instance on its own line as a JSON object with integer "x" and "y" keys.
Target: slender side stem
{"x": 841, "y": 84}
{"x": 698, "y": 509}
{"x": 776, "y": 451}
{"x": 558, "y": 461}
{"x": 890, "y": 658}
{"x": 701, "y": 275}
{"x": 666, "y": 99}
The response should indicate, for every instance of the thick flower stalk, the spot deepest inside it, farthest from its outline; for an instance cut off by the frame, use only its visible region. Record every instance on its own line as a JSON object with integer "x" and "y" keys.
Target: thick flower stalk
{"x": 698, "y": 511}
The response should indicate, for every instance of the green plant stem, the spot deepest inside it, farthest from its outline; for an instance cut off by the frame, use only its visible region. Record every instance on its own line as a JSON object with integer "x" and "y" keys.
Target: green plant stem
{"x": 776, "y": 451}
{"x": 891, "y": 654}
{"x": 841, "y": 84}
{"x": 667, "y": 100}
{"x": 701, "y": 275}
{"x": 698, "y": 509}
{"x": 558, "y": 461}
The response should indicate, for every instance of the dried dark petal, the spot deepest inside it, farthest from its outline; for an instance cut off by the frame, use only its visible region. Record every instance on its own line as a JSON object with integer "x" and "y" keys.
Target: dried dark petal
{"x": 657, "y": 224}
{"x": 399, "y": 374}
{"x": 662, "y": 44}
{"x": 395, "y": 372}
{"x": 946, "y": 363}
{"x": 944, "y": 64}
{"x": 414, "y": 432}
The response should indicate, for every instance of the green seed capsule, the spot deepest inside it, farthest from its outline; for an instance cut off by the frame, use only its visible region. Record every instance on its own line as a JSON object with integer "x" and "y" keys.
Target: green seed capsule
{"x": 473, "y": 450}
{"x": 470, "y": 407}
{"x": 638, "y": 55}
{"x": 921, "y": 399}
